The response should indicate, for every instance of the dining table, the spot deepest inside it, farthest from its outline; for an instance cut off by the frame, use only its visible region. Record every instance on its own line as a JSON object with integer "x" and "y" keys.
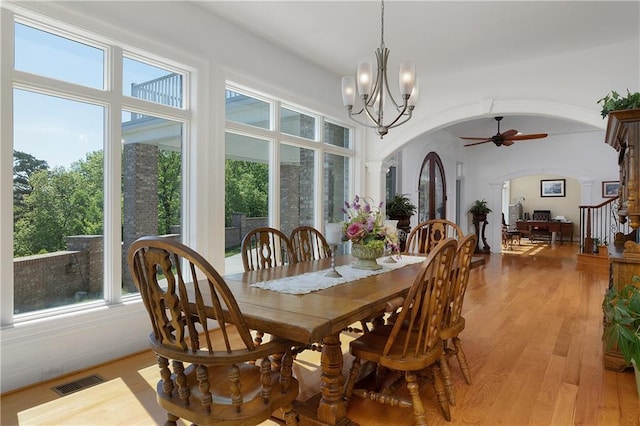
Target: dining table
{"x": 320, "y": 315}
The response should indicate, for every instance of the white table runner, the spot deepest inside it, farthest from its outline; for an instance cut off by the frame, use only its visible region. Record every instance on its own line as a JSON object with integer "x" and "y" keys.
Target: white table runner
{"x": 313, "y": 281}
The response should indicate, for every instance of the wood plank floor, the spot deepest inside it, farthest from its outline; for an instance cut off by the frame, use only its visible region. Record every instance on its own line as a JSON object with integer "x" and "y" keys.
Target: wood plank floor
{"x": 532, "y": 340}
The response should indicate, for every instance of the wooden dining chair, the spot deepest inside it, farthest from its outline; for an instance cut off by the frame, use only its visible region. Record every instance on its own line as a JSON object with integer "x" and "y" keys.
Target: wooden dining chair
{"x": 309, "y": 244}
{"x": 206, "y": 378}
{"x": 413, "y": 342}
{"x": 426, "y": 235}
{"x": 454, "y": 322}
{"x": 266, "y": 247}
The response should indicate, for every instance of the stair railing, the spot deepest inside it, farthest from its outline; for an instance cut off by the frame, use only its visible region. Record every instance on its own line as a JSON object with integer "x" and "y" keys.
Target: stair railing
{"x": 600, "y": 222}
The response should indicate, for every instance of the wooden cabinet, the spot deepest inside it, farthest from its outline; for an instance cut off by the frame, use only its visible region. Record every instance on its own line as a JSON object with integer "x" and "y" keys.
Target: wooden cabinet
{"x": 623, "y": 134}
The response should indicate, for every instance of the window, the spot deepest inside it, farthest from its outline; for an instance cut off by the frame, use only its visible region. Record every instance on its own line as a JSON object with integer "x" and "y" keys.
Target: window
{"x": 297, "y": 124}
{"x": 67, "y": 193}
{"x": 245, "y": 109}
{"x": 282, "y": 179}
{"x": 43, "y": 53}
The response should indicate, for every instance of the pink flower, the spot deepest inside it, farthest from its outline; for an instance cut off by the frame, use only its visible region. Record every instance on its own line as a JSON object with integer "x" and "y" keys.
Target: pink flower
{"x": 356, "y": 231}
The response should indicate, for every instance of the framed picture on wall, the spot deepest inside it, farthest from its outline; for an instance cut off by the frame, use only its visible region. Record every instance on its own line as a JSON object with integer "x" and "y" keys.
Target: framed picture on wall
{"x": 610, "y": 188}
{"x": 552, "y": 188}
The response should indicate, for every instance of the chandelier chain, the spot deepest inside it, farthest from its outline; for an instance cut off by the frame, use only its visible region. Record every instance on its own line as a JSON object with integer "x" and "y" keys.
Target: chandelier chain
{"x": 382, "y": 23}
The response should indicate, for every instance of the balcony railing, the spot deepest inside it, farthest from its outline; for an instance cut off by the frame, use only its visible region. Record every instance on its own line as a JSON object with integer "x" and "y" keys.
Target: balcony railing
{"x": 165, "y": 90}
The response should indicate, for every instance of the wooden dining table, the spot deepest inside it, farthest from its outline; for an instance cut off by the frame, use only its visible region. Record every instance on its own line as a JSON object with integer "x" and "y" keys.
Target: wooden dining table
{"x": 320, "y": 316}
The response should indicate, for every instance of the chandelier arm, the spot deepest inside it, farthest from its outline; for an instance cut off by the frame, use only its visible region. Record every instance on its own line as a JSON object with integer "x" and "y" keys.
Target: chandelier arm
{"x": 362, "y": 123}
{"x": 399, "y": 116}
{"x": 407, "y": 116}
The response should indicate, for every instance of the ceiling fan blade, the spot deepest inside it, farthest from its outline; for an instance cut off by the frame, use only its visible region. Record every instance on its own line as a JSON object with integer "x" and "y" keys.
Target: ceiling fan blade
{"x": 508, "y": 134}
{"x": 507, "y": 142}
{"x": 475, "y": 139}
{"x": 530, "y": 136}
{"x": 478, "y": 143}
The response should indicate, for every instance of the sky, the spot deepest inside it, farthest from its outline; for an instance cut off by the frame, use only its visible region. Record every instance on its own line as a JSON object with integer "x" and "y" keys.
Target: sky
{"x": 56, "y": 130}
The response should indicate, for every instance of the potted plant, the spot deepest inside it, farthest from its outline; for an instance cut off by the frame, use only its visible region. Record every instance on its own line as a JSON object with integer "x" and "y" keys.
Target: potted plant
{"x": 622, "y": 323}
{"x": 479, "y": 210}
{"x": 400, "y": 208}
{"x": 614, "y": 102}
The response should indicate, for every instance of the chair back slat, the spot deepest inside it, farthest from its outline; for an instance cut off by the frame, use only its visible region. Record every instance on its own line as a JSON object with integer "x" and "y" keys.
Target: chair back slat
{"x": 309, "y": 244}
{"x": 423, "y": 309}
{"x": 266, "y": 247}
{"x": 176, "y": 304}
{"x": 426, "y": 235}
{"x": 460, "y": 279}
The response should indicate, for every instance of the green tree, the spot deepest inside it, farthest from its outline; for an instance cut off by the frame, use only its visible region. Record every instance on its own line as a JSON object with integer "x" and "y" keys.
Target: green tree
{"x": 246, "y": 189}
{"x": 169, "y": 194}
{"x": 61, "y": 203}
{"x": 24, "y": 165}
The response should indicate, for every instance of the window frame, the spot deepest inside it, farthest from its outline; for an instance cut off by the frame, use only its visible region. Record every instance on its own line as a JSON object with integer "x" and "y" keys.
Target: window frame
{"x": 114, "y": 102}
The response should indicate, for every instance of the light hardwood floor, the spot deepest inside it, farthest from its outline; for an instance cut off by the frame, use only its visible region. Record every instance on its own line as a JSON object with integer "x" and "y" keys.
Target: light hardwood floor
{"x": 532, "y": 340}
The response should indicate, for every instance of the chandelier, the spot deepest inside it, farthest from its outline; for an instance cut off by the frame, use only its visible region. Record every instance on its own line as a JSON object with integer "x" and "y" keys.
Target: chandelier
{"x": 376, "y": 95}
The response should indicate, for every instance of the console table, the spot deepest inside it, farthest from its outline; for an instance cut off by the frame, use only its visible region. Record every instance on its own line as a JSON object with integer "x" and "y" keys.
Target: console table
{"x": 560, "y": 228}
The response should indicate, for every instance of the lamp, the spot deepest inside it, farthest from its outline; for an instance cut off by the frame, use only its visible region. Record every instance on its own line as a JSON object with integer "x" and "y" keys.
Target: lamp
{"x": 375, "y": 94}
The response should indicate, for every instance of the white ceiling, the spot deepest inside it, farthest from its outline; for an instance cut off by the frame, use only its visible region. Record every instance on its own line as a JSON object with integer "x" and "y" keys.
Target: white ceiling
{"x": 439, "y": 36}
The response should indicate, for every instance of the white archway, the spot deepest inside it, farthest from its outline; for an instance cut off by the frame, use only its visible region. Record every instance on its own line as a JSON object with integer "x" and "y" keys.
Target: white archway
{"x": 421, "y": 123}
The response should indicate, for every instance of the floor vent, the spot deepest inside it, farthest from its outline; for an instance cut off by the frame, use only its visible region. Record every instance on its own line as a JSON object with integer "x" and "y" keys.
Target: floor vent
{"x": 78, "y": 385}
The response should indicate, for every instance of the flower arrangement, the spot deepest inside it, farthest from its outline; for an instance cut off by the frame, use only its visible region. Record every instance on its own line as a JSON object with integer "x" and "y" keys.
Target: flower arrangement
{"x": 364, "y": 225}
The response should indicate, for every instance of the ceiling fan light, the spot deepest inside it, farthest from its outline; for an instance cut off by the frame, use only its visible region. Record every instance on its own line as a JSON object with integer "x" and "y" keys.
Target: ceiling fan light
{"x": 348, "y": 91}
{"x": 364, "y": 76}
{"x": 407, "y": 77}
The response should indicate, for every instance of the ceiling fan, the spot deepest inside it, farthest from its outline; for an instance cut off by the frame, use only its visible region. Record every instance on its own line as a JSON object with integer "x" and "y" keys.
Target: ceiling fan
{"x": 506, "y": 138}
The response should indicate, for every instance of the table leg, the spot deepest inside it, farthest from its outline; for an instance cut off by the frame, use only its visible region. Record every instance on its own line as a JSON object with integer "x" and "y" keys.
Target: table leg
{"x": 331, "y": 409}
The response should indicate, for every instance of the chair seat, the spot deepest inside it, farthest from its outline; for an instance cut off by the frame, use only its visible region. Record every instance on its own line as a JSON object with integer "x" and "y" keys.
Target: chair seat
{"x": 370, "y": 346}
{"x": 222, "y": 411}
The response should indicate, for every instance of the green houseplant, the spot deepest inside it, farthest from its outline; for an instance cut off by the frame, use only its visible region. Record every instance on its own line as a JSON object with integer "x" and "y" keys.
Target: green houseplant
{"x": 479, "y": 210}
{"x": 622, "y": 323}
{"x": 614, "y": 102}
{"x": 400, "y": 205}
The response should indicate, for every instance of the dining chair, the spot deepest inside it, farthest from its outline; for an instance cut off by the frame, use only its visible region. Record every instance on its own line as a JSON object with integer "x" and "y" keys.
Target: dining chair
{"x": 413, "y": 342}
{"x": 266, "y": 247}
{"x": 426, "y": 235}
{"x": 454, "y": 322}
{"x": 309, "y": 244}
{"x": 206, "y": 375}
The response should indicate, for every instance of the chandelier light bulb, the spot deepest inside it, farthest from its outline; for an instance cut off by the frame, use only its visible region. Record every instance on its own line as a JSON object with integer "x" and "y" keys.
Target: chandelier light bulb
{"x": 364, "y": 79}
{"x": 407, "y": 77}
{"x": 348, "y": 91}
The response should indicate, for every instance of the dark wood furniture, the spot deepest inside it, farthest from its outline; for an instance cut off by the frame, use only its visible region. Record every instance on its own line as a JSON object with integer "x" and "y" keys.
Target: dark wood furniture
{"x": 561, "y": 229}
{"x": 205, "y": 380}
{"x": 623, "y": 134}
{"x": 321, "y": 315}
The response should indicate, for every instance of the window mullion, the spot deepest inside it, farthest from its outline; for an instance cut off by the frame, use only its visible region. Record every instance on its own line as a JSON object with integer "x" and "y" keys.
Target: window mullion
{"x": 113, "y": 187}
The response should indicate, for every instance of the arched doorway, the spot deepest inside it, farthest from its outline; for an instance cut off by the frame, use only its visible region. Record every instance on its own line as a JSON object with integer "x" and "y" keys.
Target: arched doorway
{"x": 432, "y": 189}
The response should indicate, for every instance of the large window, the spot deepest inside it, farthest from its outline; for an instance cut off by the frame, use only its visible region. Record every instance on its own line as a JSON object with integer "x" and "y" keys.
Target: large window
{"x": 95, "y": 165}
{"x": 299, "y": 175}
